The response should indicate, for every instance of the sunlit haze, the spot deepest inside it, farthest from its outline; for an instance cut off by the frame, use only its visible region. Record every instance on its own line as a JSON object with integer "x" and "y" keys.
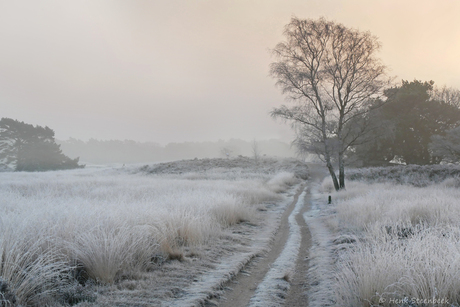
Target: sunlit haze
{"x": 189, "y": 70}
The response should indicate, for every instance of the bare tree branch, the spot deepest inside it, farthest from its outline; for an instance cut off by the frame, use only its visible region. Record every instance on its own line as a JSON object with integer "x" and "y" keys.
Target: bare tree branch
{"x": 330, "y": 73}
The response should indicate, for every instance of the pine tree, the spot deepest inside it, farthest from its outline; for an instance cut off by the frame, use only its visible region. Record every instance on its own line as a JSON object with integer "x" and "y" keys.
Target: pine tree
{"x": 24, "y": 147}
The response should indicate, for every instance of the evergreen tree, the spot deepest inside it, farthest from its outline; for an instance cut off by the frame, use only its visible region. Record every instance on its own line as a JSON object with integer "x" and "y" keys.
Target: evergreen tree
{"x": 24, "y": 147}
{"x": 408, "y": 119}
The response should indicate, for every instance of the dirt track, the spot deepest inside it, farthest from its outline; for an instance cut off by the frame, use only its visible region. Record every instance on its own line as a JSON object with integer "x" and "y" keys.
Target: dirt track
{"x": 297, "y": 296}
{"x": 241, "y": 288}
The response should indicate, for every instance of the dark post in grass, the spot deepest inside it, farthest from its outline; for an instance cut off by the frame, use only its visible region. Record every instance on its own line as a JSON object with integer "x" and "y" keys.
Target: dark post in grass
{"x": 329, "y": 199}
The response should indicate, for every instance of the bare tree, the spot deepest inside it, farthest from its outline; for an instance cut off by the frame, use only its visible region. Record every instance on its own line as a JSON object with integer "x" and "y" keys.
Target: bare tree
{"x": 449, "y": 95}
{"x": 331, "y": 74}
{"x": 256, "y": 153}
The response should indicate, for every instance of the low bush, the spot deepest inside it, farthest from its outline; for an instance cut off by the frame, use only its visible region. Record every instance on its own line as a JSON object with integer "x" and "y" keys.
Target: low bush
{"x": 416, "y": 175}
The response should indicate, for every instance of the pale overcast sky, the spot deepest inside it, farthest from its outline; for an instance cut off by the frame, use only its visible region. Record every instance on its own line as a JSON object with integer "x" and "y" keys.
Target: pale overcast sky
{"x": 189, "y": 70}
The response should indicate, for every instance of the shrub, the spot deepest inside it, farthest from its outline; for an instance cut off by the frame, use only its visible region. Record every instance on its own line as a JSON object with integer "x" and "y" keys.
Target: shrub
{"x": 416, "y": 175}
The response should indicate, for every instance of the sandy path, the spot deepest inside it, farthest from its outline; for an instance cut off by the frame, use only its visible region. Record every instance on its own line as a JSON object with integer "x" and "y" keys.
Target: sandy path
{"x": 297, "y": 296}
{"x": 240, "y": 289}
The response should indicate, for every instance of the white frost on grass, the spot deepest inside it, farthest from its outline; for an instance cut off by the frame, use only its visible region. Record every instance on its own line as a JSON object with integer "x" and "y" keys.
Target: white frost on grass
{"x": 112, "y": 223}
{"x": 210, "y": 284}
{"x": 424, "y": 266}
{"x": 384, "y": 242}
{"x": 408, "y": 248}
{"x": 272, "y": 290}
{"x": 282, "y": 181}
{"x": 390, "y": 205}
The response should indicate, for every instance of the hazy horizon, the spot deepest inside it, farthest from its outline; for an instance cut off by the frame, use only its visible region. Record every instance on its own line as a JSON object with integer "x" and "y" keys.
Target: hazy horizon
{"x": 189, "y": 71}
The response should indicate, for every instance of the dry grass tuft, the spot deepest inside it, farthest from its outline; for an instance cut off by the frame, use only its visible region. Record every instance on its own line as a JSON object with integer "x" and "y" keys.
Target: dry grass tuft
{"x": 176, "y": 255}
{"x": 29, "y": 273}
{"x": 282, "y": 181}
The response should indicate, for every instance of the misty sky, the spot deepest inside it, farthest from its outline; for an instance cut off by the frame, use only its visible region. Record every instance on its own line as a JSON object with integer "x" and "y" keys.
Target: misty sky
{"x": 189, "y": 70}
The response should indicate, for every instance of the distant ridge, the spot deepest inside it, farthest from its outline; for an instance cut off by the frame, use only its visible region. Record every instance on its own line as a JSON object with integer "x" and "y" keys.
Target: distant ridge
{"x": 128, "y": 151}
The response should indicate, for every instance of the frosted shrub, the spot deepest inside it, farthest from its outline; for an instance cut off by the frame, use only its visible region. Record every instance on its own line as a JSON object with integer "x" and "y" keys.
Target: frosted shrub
{"x": 228, "y": 214}
{"x": 105, "y": 252}
{"x": 282, "y": 181}
{"x": 254, "y": 192}
{"x": 185, "y": 227}
{"x": 407, "y": 244}
{"x": 425, "y": 266}
{"x": 28, "y": 272}
{"x": 451, "y": 182}
{"x": 202, "y": 168}
{"x": 416, "y": 175}
{"x": 327, "y": 186}
{"x": 353, "y": 189}
{"x": 386, "y": 204}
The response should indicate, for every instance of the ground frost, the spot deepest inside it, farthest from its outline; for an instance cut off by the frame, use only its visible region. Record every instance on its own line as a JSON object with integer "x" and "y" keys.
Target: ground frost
{"x": 320, "y": 273}
{"x": 272, "y": 291}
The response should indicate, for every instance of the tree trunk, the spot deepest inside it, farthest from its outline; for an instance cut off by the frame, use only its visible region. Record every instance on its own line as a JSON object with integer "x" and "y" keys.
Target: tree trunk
{"x": 341, "y": 172}
{"x": 332, "y": 172}
{"x": 334, "y": 177}
{"x": 327, "y": 157}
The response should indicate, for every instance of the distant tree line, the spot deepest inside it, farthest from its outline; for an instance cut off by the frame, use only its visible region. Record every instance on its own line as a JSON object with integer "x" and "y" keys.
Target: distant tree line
{"x": 128, "y": 151}
{"x": 24, "y": 147}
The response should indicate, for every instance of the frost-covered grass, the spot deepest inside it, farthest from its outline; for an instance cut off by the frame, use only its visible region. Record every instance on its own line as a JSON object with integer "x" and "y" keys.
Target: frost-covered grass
{"x": 416, "y": 175}
{"x": 100, "y": 225}
{"x": 383, "y": 268}
{"x": 396, "y": 244}
{"x": 229, "y": 168}
{"x": 380, "y": 205}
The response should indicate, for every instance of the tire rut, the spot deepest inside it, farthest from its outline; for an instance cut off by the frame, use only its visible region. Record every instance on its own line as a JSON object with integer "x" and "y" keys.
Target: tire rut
{"x": 297, "y": 295}
{"x": 239, "y": 290}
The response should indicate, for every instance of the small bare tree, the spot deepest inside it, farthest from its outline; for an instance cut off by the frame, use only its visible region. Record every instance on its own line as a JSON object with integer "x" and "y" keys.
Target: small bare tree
{"x": 256, "y": 153}
{"x": 449, "y": 95}
{"x": 331, "y": 74}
